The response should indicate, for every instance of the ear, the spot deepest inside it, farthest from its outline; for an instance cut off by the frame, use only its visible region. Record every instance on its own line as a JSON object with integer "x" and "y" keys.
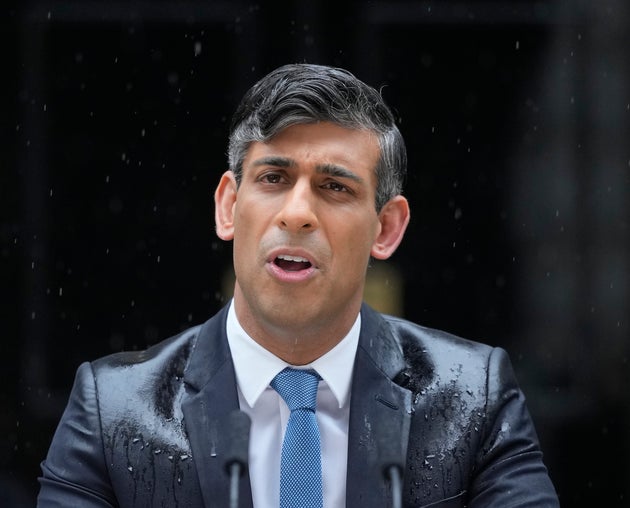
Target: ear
{"x": 394, "y": 217}
{"x": 224, "y": 202}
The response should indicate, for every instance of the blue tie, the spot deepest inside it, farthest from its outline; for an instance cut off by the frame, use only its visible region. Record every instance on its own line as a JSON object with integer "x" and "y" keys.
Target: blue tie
{"x": 301, "y": 465}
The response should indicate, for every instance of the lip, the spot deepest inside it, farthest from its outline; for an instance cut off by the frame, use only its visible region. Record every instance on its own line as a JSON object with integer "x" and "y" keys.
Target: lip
{"x": 291, "y": 276}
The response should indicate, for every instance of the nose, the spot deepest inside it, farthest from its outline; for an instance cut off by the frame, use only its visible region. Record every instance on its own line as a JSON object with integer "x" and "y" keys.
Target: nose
{"x": 298, "y": 210}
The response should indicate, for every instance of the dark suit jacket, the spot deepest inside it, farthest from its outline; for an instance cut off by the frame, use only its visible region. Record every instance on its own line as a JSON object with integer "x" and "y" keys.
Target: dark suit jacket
{"x": 147, "y": 429}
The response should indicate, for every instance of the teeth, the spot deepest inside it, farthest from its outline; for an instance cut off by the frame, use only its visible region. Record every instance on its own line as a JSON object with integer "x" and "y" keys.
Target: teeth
{"x": 296, "y": 259}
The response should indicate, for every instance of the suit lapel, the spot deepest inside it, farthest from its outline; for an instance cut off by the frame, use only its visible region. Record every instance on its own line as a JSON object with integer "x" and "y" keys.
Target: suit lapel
{"x": 379, "y": 409}
{"x": 211, "y": 383}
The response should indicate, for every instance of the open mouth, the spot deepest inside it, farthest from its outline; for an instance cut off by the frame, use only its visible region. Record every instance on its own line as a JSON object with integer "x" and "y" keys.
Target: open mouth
{"x": 292, "y": 263}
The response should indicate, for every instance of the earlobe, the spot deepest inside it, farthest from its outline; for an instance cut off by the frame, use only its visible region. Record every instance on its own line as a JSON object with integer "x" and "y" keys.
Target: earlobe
{"x": 224, "y": 201}
{"x": 394, "y": 218}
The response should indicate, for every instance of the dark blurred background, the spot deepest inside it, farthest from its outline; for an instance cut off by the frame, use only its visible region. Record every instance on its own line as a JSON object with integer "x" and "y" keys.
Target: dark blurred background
{"x": 517, "y": 118}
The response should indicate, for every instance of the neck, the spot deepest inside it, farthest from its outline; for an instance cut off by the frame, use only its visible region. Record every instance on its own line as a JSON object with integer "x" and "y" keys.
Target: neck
{"x": 294, "y": 341}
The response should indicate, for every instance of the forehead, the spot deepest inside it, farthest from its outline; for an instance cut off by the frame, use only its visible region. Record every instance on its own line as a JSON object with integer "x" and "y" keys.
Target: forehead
{"x": 322, "y": 142}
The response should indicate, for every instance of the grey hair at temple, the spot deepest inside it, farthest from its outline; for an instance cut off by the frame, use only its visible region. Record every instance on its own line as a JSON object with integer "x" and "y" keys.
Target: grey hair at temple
{"x": 306, "y": 93}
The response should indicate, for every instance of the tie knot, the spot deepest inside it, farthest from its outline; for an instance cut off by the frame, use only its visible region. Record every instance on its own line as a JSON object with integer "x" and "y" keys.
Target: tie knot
{"x": 298, "y": 388}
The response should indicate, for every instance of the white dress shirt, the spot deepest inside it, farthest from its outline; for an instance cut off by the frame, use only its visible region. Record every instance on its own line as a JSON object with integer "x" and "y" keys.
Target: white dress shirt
{"x": 255, "y": 367}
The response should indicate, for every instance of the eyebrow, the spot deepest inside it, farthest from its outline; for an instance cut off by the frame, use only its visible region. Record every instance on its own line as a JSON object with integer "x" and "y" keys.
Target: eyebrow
{"x": 275, "y": 160}
{"x": 325, "y": 169}
{"x": 338, "y": 171}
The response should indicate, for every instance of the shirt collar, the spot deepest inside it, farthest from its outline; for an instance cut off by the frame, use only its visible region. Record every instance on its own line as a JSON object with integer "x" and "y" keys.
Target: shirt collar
{"x": 255, "y": 367}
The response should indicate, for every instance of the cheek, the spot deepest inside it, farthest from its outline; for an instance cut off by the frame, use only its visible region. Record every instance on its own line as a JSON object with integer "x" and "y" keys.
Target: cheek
{"x": 246, "y": 221}
{"x": 362, "y": 234}
{"x": 355, "y": 244}
{"x": 239, "y": 214}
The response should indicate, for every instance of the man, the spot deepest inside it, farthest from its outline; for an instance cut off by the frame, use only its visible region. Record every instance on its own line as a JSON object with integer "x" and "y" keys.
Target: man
{"x": 313, "y": 192}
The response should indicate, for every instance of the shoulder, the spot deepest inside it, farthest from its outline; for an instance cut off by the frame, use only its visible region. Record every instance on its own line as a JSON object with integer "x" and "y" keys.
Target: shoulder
{"x": 171, "y": 354}
{"x": 140, "y": 383}
{"x": 435, "y": 358}
{"x": 419, "y": 341}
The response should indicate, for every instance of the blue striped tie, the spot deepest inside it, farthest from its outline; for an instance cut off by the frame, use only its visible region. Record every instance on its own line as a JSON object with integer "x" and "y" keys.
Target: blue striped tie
{"x": 301, "y": 465}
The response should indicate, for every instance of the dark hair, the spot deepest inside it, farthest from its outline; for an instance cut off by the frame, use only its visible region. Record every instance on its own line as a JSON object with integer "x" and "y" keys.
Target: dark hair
{"x": 305, "y": 93}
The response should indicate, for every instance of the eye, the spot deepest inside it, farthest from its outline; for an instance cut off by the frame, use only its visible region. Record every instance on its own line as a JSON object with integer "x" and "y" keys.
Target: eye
{"x": 335, "y": 186}
{"x": 271, "y": 178}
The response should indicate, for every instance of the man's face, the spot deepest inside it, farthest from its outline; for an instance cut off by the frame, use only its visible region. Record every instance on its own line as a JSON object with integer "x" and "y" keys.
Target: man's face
{"x": 304, "y": 224}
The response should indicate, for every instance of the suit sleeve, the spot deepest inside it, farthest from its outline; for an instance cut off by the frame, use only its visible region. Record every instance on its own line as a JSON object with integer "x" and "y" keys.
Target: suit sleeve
{"x": 74, "y": 472}
{"x": 510, "y": 470}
